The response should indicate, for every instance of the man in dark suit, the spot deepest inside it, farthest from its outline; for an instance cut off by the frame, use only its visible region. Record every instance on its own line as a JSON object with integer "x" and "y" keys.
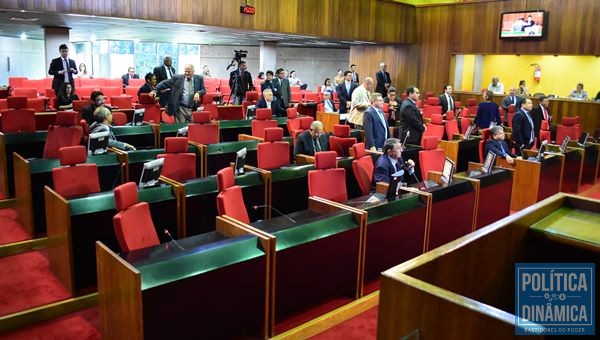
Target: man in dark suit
{"x": 374, "y": 123}
{"x": 62, "y": 69}
{"x": 446, "y": 100}
{"x": 268, "y": 84}
{"x": 271, "y": 102}
{"x": 186, "y": 93}
{"x": 540, "y": 113}
{"x": 522, "y": 127}
{"x": 282, "y": 88}
{"x": 391, "y": 162}
{"x": 383, "y": 80}
{"x": 511, "y": 99}
{"x": 129, "y": 75}
{"x": 355, "y": 77}
{"x": 411, "y": 119}
{"x": 240, "y": 82}
{"x": 344, "y": 91}
{"x": 497, "y": 145}
{"x": 162, "y": 72}
{"x": 311, "y": 141}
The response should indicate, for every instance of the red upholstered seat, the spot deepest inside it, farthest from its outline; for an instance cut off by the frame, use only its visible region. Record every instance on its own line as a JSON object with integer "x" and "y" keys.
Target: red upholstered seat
{"x": 16, "y": 81}
{"x": 16, "y": 102}
{"x": 434, "y": 101}
{"x": 66, "y": 132}
{"x": 545, "y": 132}
{"x": 202, "y": 130}
{"x": 180, "y": 165}
{"x": 451, "y": 127}
{"x": 111, "y": 91}
{"x": 431, "y": 158}
{"x": 209, "y": 97}
{"x": 251, "y": 96}
{"x": 471, "y": 102}
{"x": 363, "y": 168}
{"x": 485, "y": 135}
{"x": 273, "y": 153}
{"x": 77, "y": 178}
{"x": 311, "y": 97}
{"x": 263, "y": 120}
{"x": 341, "y": 141}
{"x": 22, "y": 120}
{"x": 327, "y": 181}
{"x": 450, "y": 115}
{"x": 25, "y": 92}
{"x": 230, "y": 201}
{"x": 435, "y": 128}
{"x": 119, "y": 118}
{"x": 132, "y": 92}
{"x": 118, "y": 82}
{"x": 151, "y": 108}
{"x": 569, "y": 127}
{"x": 464, "y": 123}
{"x": 292, "y": 112}
{"x": 430, "y": 110}
{"x": 78, "y": 105}
{"x": 296, "y": 97}
{"x": 211, "y": 84}
{"x": 121, "y": 102}
{"x": 133, "y": 224}
{"x": 298, "y": 125}
{"x": 36, "y": 104}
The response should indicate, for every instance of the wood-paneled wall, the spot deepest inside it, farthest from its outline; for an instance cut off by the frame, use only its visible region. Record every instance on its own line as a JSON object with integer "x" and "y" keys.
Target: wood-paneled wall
{"x": 399, "y": 59}
{"x": 370, "y": 20}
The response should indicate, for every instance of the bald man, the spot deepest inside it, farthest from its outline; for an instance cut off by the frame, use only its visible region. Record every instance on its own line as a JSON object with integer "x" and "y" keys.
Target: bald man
{"x": 383, "y": 80}
{"x": 186, "y": 91}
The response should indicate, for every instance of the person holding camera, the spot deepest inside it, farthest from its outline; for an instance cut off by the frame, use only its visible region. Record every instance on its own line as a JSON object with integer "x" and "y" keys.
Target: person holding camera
{"x": 240, "y": 82}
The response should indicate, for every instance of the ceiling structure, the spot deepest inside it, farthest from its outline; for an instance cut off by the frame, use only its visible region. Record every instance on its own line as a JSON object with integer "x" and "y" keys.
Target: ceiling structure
{"x": 426, "y": 2}
{"x": 89, "y": 28}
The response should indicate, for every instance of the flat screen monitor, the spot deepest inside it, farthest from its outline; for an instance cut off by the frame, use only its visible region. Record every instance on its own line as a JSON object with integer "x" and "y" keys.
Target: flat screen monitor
{"x": 138, "y": 117}
{"x": 540, "y": 153}
{"x": 447, "y": 171}
{"x": 240, "y": 161}
{"x": 150, "y": 173}
{"x": 98, "y": 143}
{"x": 490, "y": 158}
{"x": 251, "y": 112}
{"x": 565, "y": 143}
{"x": 583, "y": 138}
{"x": 469, "y": 131}
{"x": 523, "y": 25}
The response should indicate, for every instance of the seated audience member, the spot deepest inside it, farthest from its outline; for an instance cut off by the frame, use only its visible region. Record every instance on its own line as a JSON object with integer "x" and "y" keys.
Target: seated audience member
{"x": 206, "y": 71}
{"x": 522, "y": 90}
{"x": 311, "y": 141}
{"x": 83, "y": 74}
{"x": 129, "y": 75}
{"x": 96, "y": 101}
{"x": 339, "y": 77}
{"x": 103, "y": 122}
{"x": 327, "y": 87}
{"x": 391, "y": 162}
{"x": 328, "y": 104}
{"x": 579, "y": 93}
{"x": 267, "y": 83}
{"x": 294, "y": 80}
{"x": 511, "y": 99}
{"x": 374, "y": 124}
{"x": 65, "y": 98}
{"x": 496, "y": 86}
{"x": 150, "y": 84}
{"x": 269, "y": 101}
{"x": 498, "y": 146}
{"x": 392, "y": 100}
{"x": 261, "y": 76}
{"x": 487, "y": 112}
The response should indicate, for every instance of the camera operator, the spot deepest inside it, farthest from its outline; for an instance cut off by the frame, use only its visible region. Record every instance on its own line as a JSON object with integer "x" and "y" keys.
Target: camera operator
{"x": 240, "y": 82}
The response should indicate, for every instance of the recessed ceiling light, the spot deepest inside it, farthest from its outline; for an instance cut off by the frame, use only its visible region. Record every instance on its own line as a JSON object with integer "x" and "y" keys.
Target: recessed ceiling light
{"x": 24, "y": 19}
{"x": 23, "y": 36}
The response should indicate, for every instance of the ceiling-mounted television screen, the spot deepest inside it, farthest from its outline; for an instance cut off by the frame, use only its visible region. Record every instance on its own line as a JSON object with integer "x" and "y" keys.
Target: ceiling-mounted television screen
{"x": 523, "y": 25}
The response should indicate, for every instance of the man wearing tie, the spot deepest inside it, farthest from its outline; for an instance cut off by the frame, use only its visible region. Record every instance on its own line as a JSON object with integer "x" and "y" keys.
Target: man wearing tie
{"x": 540, "y": 113}
{"x": 391, "y": 162}
{"x": 344, "y": 91}
{"x": 522, "y": 125}
{"x": 355, "y": 77}
{"x": 62, "y": 69}
{"x": 497, "y": 145}
{"x": 383, "y": 80}
{"x": 375, "y": 125}
{"x": 446, "y": 100}
{"x": 311, "y": 141}
{"x": 162, "y": 72}
{"x": 282, "y": 88}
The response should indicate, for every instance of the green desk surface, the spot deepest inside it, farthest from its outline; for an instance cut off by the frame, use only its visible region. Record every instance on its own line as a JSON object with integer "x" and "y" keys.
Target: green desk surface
{"x": 208, "y": 184}
{"x": 146, "y": 155}
{"x": 232, "y": 124}
{"x": 29, "y": 137}
{"x": 230, "y": 147}
{"x": 290, "y": 172}
{"x": 43, "y": 165}
{"x": 380, "y": 211}
{"x": 573, "y": 223}
{"x": 132, "y": 130}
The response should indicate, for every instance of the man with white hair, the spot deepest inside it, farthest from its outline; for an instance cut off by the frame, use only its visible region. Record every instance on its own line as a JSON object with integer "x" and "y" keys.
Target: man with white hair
{"x": 311, "y": 141}
{"x": 383, "y": 80}
{"x": 496, "y": 86}
{"x": 186, "y": 91}
{"x": 361, "y": 100}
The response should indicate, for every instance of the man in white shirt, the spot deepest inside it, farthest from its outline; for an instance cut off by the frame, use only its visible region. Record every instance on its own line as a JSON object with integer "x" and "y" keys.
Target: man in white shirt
{"x": 446, "y": 100}
{"x": 496, "y": 86}
{"x": 328, "y": 104}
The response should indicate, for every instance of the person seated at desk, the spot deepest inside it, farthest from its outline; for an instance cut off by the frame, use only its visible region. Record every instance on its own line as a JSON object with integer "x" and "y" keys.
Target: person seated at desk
{"x": 579, "y": 93}
{"x": 487, "y": 112}
{"x": 65, "y": 98}
{"x": 271, "y": 102}
{"x": 311, "y": 141}
{"x": 103, "y": 122}
{"x": 391, "y": 162}
{"x": 149, "y": 85}
{"x": 129, "y": 75}
{"x": 497, "y": 145}
{"x": 296, "y": 81}
{"x": 328, "y": 104}
{"x": 327, "y": 87}
{"x": 523, "y": 91}
{"x": 496, "y": 86}
{"x": 96, "y": 101}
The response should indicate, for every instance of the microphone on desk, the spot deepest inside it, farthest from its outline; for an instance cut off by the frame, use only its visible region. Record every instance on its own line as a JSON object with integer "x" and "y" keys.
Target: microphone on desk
{"x": 256, "y": 207}
{"x": 166, "y": 232}
{"x": 405, "y": 138}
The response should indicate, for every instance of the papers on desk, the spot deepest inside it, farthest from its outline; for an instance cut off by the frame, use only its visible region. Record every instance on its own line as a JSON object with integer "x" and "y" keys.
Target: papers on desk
{"x": 344, "y": 116}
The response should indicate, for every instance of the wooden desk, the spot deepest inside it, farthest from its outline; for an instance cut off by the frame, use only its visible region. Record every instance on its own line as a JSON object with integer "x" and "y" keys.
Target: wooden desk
{"x": 28, "y": 145}
{"x": 534, "y": 181}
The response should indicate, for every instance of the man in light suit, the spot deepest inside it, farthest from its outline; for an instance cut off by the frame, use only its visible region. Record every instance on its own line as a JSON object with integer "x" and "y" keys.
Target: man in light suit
{"x": 186, "y": 93}
{"x": 411, "y": 118}
{"x": 361, "y": 100}
{"x": 162, "y": 72}
{"x": 383, "y": 80}
{"x": 375, "y": 125}
{"x": 129, "y": 75}
{"x": 344, "y": 91}
{"x": 282, "y": 87}
{"x": 446, "y": 100}
{"x": 62, "y": 69}
{"x": 522, "y": 127}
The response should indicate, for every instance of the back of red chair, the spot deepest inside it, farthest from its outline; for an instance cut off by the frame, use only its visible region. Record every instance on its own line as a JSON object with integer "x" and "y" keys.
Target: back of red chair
{"x": 435, "y": 128}
{"x": 121, "y": 102}
{"x": 433, "y": 101}
{"x": 569, "y": 127}
{"x": 471, "y": 102}
{"x": 230, "y": 201}
{"x": 77, "y": 178}
{"x": 22, "y": 120}
{"x": 16, "y": 102}
{"x": 203, "y": 131}
{"x": 311, "y": 97}
{"x": 132, "y": 92}
{"x": 110, "y": 92}
{"x": 430, "y": 110}
{"x": 133, "y": 224}
{"x": 292, "y": 112}
{"x": 78, "y": 105}
{"x": 118, "y": 82}
{"x": 211, "y": 84}
{"x": 136, "y": 82}
{"x": 431, "y": 158}
{"x": 273, "y": 153}
{"x": 251, "y": 96}
{"x": 341, "y": 142}
{"x": 180, "y": 165}
{"x": 66, "y": 132}
{"x": 327, "y": 181}
{"x": 119, "y": 118}
{"x": 16, "y": 81}
{"x": 152, "y": 113}
{"x": 25, "y": 92}
{"x": 363, "y": 168}
{"x": 263, "y": 120}
{"x": 451, "y": 128}
{"x": 36, "y": 104}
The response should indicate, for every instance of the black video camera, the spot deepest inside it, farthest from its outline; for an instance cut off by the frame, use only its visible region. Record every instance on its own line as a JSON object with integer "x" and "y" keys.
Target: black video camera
{"x": 239, "y": 54}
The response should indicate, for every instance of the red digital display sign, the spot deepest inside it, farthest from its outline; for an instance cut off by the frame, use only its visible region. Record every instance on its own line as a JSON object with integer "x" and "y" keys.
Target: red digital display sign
{"x": 247, "y": 10}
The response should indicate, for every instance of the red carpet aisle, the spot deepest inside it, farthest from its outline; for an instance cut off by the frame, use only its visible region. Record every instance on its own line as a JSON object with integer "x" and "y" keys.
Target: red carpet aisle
{"x": 360, "y": 327}
{"x": 10, "y": 229}
{"x": 83, "y": 325}
{"x": 26, "y": 281}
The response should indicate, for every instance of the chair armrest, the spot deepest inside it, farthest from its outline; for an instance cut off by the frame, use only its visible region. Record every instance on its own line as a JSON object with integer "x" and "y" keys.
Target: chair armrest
{"x": 304, "y": 159}
{"x": 243, "y": 136}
